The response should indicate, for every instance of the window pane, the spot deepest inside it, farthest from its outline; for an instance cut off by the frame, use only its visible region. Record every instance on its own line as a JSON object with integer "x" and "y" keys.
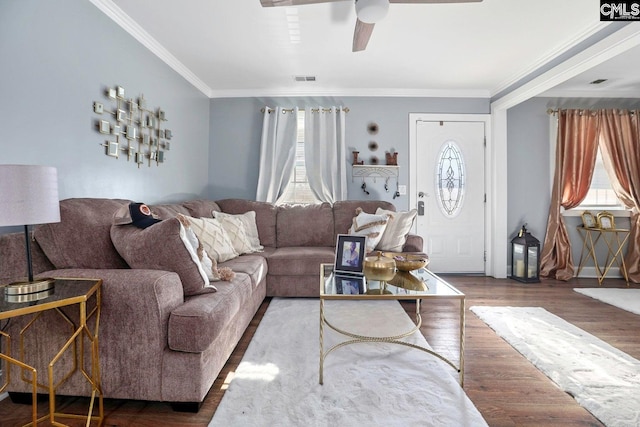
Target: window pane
{"x": 298, "y": 190}
{"x": 600, "y": 192}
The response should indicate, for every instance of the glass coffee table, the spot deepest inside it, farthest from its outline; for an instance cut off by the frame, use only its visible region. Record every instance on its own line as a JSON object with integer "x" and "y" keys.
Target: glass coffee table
{"x": 417, "y": 285}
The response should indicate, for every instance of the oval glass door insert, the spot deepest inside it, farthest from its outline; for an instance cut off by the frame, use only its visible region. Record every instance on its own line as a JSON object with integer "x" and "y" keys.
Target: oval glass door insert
{"x": 450, "y": 179}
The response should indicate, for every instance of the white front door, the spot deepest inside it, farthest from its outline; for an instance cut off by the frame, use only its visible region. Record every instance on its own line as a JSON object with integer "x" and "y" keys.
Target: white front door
{"x": 450, "y": 194}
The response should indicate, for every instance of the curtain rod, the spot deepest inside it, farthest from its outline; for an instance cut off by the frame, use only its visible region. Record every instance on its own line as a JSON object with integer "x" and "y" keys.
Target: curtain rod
{"x": 551, "y": 111}
{"x": 313, "y": 110}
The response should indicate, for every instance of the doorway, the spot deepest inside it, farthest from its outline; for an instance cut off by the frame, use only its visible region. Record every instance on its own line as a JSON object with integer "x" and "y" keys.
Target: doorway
{"x": 448, "y": 187}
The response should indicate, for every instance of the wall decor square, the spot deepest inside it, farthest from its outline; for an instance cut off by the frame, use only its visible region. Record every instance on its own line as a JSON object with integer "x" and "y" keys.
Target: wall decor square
{"x": 134, "y": 126}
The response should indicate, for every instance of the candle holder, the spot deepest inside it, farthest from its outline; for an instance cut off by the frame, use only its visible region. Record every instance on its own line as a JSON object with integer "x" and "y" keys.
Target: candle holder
{"x": 525, "y": 257}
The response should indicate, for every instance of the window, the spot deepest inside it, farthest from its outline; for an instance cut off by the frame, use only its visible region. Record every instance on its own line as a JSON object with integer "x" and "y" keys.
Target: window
{"x": 601, "y": 194}
{"x": 298, "y": 190}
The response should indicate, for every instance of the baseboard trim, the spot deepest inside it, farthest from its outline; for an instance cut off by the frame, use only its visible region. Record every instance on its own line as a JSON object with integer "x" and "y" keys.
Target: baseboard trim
{"x": 591, "y": 273}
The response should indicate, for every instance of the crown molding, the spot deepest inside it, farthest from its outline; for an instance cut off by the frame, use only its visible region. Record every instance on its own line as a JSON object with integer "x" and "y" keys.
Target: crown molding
{"x": 129, "y": 25}
{"x": 593, "y": 29}
{"x": 370, "y": 92}
{"x": 617, "y": 43}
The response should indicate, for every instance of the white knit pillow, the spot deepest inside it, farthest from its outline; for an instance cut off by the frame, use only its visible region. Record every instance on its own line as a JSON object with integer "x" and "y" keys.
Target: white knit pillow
{"x": 213, "y": 237}
{"x": 369, "y": 225}
{"x": 196, "y": 249}
{"x": 398, "y": 227}
{"x": 242, "y": 230}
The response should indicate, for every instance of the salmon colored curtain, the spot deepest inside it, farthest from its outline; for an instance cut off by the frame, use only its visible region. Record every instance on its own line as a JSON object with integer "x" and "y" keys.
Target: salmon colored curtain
{"x": 620, "y": 146}
{"x": 576, "y": 151}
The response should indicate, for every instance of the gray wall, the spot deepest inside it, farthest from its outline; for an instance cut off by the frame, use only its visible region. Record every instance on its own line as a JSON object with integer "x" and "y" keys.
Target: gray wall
{"x": 236, "y": 126}
{"x": 528, "y": 169}
{"x": 58, "y": 57}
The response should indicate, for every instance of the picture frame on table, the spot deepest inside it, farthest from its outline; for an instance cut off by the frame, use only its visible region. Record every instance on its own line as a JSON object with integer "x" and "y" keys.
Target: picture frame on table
{"x": 606, "y": 221}
{"x": 350, "y": 252}
{"x": 589, "y": 220}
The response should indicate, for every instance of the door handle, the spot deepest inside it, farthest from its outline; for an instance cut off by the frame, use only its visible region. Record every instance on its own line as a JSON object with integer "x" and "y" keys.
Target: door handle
{"x": 421, "y": 208}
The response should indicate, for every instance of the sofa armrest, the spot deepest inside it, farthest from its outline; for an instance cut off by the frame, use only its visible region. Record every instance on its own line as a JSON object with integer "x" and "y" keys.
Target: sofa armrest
{"x": 414, "y": 243}
{"x": 136, "y": 305}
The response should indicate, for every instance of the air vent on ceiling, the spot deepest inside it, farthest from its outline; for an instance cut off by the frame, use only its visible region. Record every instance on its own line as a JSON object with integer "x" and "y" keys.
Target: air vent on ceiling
{"x": 597, "y": 82}
{"x": 304, "y": 78}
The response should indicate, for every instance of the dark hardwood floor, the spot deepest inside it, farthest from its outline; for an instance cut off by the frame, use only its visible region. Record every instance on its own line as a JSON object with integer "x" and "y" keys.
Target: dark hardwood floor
{"x": 506, "y": 388}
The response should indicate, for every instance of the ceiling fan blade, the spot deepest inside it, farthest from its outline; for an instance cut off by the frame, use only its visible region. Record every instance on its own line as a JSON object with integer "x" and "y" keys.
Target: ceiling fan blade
{"x": 434, "y": 1}
{"x": 361, "y": 35}
{"x": 271, "y": 3}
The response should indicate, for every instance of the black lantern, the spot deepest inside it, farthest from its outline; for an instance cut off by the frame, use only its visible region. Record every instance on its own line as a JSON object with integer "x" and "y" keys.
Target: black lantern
{"x": 525, "y": 257}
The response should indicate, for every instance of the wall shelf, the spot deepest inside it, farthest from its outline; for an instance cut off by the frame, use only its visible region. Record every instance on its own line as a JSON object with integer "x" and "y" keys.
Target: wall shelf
{"x": 375, "y": 171}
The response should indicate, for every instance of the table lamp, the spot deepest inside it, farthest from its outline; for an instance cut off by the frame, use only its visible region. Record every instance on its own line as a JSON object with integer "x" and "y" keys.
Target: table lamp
{"x": 28, "y": 195}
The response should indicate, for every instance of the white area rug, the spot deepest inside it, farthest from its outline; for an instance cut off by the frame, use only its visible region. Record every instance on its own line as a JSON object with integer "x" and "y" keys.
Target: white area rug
{"x": 367, "y": 384}
{"x": 601, "y": 378}
{"x": 626, "y": 299}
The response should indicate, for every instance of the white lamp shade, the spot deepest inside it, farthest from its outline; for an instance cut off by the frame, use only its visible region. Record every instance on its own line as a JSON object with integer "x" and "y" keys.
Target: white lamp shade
{"x": 28, "y": 195}
{"x": 371, "y": 11}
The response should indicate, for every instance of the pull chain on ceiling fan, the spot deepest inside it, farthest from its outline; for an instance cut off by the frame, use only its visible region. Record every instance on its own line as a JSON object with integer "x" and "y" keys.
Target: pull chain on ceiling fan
{"x": 368, "y": 12}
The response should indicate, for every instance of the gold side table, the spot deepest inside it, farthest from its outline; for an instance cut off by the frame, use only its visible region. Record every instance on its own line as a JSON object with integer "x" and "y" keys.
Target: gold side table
{"x": 614, "y": 239}
{"x": 86, "y": 294}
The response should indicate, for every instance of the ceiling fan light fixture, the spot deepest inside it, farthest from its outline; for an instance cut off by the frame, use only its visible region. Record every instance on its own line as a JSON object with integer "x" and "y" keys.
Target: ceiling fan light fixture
{"x": 371, "y": 11}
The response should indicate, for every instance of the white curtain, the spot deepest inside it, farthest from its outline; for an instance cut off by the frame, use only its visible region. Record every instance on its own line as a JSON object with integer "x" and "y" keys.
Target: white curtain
{"x": 325, "y": 153}
{"x": 277, "y": 152}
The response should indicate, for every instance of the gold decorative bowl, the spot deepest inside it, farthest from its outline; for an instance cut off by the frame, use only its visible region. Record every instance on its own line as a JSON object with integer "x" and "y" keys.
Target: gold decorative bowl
{"x": 378, "y": 267}
{"x": 408, "y": 261}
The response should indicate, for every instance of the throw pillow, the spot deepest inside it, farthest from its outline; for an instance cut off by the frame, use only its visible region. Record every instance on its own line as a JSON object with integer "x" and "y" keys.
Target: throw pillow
{"x": 213, "y": 237}
{"x": 248, "y": 220}
{"x": 395, "y": 235}
{"x": 162, "y": 246}
{"x": 209, "y": 265}
{"x": 369, "y": 225}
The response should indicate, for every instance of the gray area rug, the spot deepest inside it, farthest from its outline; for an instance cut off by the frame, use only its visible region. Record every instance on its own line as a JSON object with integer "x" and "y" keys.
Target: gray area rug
{"x": 626, "y": 299}
{"x": 601, "y": 378}
{"x": 367, "y": 384}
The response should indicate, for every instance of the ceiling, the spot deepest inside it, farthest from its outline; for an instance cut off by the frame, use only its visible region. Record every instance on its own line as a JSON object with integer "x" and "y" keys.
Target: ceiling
{"x": 239, "y": 48}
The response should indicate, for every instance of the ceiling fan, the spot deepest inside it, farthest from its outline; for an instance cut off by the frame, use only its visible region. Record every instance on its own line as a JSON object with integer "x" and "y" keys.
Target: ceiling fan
{"x": 368, "y": 12}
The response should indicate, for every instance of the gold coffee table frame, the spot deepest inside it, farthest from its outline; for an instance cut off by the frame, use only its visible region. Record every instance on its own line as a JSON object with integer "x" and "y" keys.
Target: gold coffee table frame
{"x": 67, "y": 292}
{"x": 439, "y": 290}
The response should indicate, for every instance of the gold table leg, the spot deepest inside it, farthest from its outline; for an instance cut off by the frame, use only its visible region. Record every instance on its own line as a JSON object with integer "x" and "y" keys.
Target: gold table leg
{"x": 395, "y": 339}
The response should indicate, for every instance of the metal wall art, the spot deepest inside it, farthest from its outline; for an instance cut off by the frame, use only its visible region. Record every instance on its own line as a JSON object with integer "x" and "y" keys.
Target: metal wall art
{"x": 133, "y": 128}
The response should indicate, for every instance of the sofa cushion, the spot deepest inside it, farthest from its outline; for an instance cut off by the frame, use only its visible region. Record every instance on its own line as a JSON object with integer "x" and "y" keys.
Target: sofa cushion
{"x": 344, "y": 212}
{"x": 168, "y": 211}
{"x": 255, "y": 266}
{"x": 162, "y": 247}
{"x": 81, "y": 239}
{"x": 299, "y": 260}
{"x": 242, "y": 231}
{"x": 369, "y": 225}
{"x": 201, "y": 208}
{"x": 265, "y": 216}
{"x": 398, "y": 227}
{"x": 201, "y": 319}
{"x": 213, "y": 237}
{"x": 305, "y": 225}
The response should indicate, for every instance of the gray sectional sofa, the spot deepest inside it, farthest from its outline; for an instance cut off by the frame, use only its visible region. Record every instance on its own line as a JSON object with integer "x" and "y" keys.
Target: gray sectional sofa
{"x": 159, "y": 342}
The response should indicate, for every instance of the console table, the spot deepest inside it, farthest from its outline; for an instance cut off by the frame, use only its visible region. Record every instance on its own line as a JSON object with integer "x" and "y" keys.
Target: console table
{"x": 86, "y": 295}
{"x": 614, "y": 239}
